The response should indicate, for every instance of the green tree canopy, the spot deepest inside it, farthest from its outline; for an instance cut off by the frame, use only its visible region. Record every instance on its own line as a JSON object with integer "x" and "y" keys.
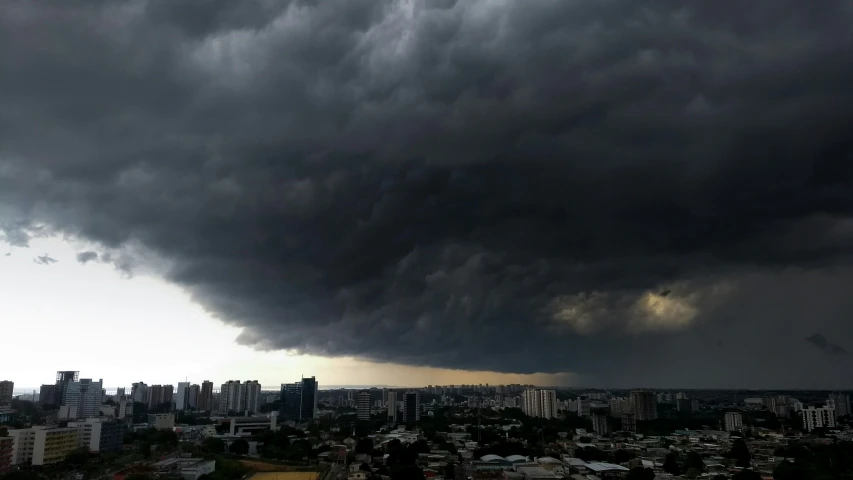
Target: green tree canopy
{"x": 239, "y": 447}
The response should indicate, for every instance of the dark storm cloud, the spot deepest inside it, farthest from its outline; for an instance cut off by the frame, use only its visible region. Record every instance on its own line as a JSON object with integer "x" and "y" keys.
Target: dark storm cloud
{"x": 85, "y": 257}
{"x": 822, "y": 343}
{"x": 516, "y": 186}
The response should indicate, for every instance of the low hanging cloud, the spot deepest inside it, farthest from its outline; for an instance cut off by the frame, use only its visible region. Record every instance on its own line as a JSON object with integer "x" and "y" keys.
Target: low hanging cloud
{"x": 822, "y": 343}
{"x": 44, "y": 260}
{"x": 88, "y": 256}
{"x": 602, "y": 187}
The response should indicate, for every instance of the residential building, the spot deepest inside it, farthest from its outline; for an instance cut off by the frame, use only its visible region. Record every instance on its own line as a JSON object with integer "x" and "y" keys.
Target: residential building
{"x": 7, "y": 388}
{"x": 584, "y": 405}
{"x": 168, "y": 394}
{"x": 299, "y": 400}
{"x": 182, "y": 397}
{"x": 841, "y": 402}
{"x": 48, "y": 395}
{"x": 252, "y": 396}
{"x": 683, "y": 404}
{"x": 734, "y": 421}
{"x": 193, "y": 396}
{"x": 161, "y": 421}
{"x": 629, "y": 422}
{"x": 85, "y": 396}
{"x": 100, "y": 435}
{"x": 363, "y": 405}
{"x": 818, "y": 417}
{"x": 540, "y": 403}
{"x": 205, "y": 396}
{"x": 391, "y": 402}
{"x": 43, "y": 445}
{"x": 411, "y": 407}
{"x": 600, "y": 422}
{"x": 231, "y": 397}
{"x": 155, "y": 395}
{"x": 7, "y": 447}
{"x": 125, "y": 408}
{"x": 139, "y": 392}
{"x": 644, "y": 405}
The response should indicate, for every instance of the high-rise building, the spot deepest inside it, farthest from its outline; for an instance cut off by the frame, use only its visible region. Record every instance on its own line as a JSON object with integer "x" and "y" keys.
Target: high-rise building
{"x": 299, "y": 400}
{"x": 841, "y": 402}
{"x": 85, "y": 396}
{"x": 63, "y": 379}
{"x": 391, "y": 402}
{"x": 7, "y": 387}
{"x": 139, "y": 392}
{"x": 155, "y": 395}
{"x": 182, "y": 398}
{"x": 48, "y": 395}
{"x": 363, "y": 405}
{"x": 231, "y": 397}
{"x": 192, "y": 396}
{"x": 411, "y": 407}
{"x": 540, "y": 403}
{"x": 600, "y": 423}
{"x": 644, "y": 405}
{"x": 818, "y": 417}
{"x": 584, "y": 405}
{"x": 168, "y": 394}
{"x": 252, "y": 394}
{"x": 125, "y": 408}
{"x": 683, "y": 404}
{"x": 205, "y": 396}
{"x": 734, "y": 421}
{"x": 629, "y": 422}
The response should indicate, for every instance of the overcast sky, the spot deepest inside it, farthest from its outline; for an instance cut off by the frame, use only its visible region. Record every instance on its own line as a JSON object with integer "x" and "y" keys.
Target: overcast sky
{"x": 616, "y": 192}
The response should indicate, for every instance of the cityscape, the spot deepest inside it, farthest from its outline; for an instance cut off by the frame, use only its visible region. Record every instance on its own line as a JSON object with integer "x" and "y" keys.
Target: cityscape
{"x": 74, "y": 428}
{"x": 426, "y": 240}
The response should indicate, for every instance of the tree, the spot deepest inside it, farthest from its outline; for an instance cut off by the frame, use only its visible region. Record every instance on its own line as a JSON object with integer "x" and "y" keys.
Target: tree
{"x": 694, "y": 460}
{"x": 670, "y": 464}
{"x": 78, "y": 456}
{"x": 746, "y": 474}
{"x": 640, "y": 473}
{"x": 239, "y": 447}
{"x": 365, "y": 467}
{"x": 139, "y": 476}
{"x": 407, "y": 472}
{"x": 213, "y": 445}
{"x": 740, "y": 452}
{"x": 20, "y": 475}
{"x": 450, "y": 471}
{"x": 364, "y": 445}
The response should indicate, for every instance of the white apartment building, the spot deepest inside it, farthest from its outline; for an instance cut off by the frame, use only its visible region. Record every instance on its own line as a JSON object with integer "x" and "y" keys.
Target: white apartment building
{"x": 818, "y": 417}
{"x": 252, "y": 396}
{"x": 363, "y": 405}
{"x": 734, "y": 421}
{"x": 139, "y": 392}
{"x": 86, "y": 396}
{"x": 162, "y": 421}
{"x": 231, "y": 397}
{"x": 540, "y": 403}
{"x": 43, "y": 445}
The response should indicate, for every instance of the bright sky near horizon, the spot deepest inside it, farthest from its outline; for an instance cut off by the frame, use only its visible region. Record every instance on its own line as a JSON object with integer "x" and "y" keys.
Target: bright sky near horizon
{"x": 88, "y": 317}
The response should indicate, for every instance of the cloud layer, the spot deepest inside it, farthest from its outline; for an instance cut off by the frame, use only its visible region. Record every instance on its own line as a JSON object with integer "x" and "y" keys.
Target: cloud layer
{"x": 586, "y": 186}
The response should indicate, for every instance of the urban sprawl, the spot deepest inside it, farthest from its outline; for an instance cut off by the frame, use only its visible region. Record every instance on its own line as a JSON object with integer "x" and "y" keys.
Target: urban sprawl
{"x": 74, "y": 429}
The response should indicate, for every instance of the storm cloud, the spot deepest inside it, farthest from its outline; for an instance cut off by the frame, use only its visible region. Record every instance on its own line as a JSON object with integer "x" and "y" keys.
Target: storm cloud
{"x": 640, "y": 192}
